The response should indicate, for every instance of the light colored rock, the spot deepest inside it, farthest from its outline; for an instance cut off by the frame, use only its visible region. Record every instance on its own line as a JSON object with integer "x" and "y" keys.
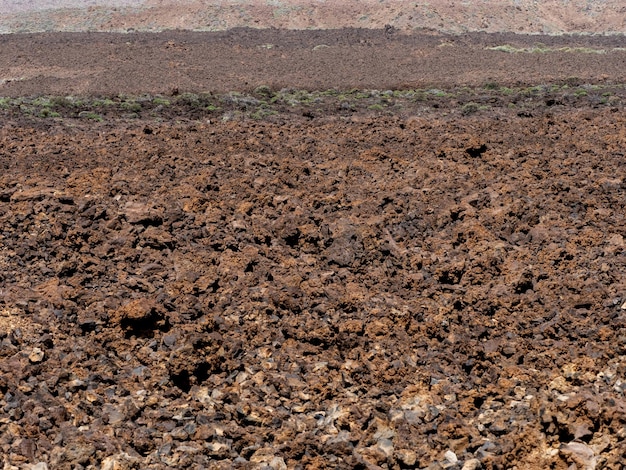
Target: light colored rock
{"x": 386, "y": 445}
{"x": 450, "y": 457}
{"x": 112, "y": 463}
{"x": 383, "y": 431}
{"x": 263, "y": 455}
{"x": 407, "y": 457}
{"x": 113, "y": 413}
{"x": 39, "y": 466}
{"x": 471, "y": 464}
{"x": 36, "y": 356}
{"x": 217, "y": 447}
{"x": 32, "y": 194}
{"x": 137, "y": 213}
{"x": 278, "y": 463}
{"x": 581, "y": 454}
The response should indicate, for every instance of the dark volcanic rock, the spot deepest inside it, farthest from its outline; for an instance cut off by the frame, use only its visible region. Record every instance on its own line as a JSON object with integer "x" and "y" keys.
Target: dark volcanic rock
{"x": 372, "y": 291}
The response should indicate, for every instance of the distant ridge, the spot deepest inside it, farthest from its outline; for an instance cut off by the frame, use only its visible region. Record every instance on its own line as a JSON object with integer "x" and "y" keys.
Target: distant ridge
{"x": 451, "y": 16}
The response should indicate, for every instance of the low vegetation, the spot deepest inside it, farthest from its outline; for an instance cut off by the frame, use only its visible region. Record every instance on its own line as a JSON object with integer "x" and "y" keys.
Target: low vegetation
{"x": 264, "y": 102}
{"x": 542, "y": 49}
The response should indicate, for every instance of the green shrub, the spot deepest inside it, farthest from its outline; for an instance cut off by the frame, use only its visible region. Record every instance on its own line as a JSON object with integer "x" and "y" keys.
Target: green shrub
{"x": 264, "y": 91}
{"x": 90, "y": 115}
{"x": 132, "y": 106}
{"x": 469, "y": 108}
{"x": 48, "y": 113}
{"x": 160, "y": 101}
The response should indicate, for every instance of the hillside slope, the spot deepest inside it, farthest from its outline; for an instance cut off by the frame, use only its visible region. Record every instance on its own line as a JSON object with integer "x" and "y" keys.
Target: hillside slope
{"x": 521, "y": 16}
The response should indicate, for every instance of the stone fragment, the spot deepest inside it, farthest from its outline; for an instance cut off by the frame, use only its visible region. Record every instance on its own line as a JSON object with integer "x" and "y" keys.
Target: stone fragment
{"x": 87, "y": 323}
{"x": 27, "y": 448}
{"x": 386, "y": 445}
{"x": 137, "y": 213}
{"x": 114, "y": 463}
{"x": 263, "y": 455}
{"x": 113, "y": 413}
{"x": 179, "y": 434}
{"x": 36, "y": 355}
{"x": 581, "y": 429}
{"x": 78, "y": 451}
{"x": 406, "y": 457}
{"x": 34, "y": 194}
{"x": 75, "y": 384}
{"x": 471, "y": 464}
{"x": 278, "y": 463}
{"x": 374, "y": 455}
{"x": 139, "y": 317}
{"x": 217, "y": 449}
{"x": 339, "y": 444}
{"x": 449, "y": 459}
{"x": 486, "y": 450}
{"x": 39, "y": 466}
{"x": 580, "y": 454}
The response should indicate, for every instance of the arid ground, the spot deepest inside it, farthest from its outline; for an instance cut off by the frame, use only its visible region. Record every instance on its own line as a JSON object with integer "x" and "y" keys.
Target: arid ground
{"x": 450, "y": 16}
{"x": 338, "y": 249}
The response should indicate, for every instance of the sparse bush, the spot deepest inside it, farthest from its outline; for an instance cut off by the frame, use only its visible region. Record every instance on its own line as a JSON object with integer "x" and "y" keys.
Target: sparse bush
{"x": 48, "y": 113}
{"x": 436, "y": 92}
{"x": 573, "y": 81}
{"x": 90, "y": 115}
{"x": 469, "y": 108}
{"x": 132, "y": 106}
{"x": 189, "y": 99}
{"x": 160, "y": 101}
{"x": 262, "y": 113}
{"x": 5, "y": 103}
{"x": 264, "y": 91}
{"x": 63, "y": 102}
{"x": 101, "y": 103}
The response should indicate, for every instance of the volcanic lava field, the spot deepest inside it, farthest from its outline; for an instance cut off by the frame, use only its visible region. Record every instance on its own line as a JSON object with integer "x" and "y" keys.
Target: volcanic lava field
{"x": 317, "y": 271}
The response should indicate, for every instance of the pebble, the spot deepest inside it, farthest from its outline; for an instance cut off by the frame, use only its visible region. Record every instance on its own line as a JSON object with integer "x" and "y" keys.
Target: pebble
{"x": 39, "y": 466}
{"x": 170, "y": 340}
{"x": 450, "y": 457}
{"x": 471, "y": 464}
{"x": 278, "y": 463}
{"x": 179, "y": 434}
{"x": 386, "y": 445}
{"x": 75, "y": 385}
{"x": 36, "y": 356}
{"x": 111, "y": 463}
{"x": 581, "y": 453}
{"x": 407, "y": 457}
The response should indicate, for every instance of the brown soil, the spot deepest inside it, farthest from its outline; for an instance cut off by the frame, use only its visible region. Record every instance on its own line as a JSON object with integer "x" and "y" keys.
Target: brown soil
{"x": 109, "y": 64}
{"x": 396, "y": 282}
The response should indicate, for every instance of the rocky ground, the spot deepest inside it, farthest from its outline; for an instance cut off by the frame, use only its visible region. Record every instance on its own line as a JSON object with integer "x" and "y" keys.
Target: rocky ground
{"x": 244, "y": 59}
{"x": 411, "y": 278}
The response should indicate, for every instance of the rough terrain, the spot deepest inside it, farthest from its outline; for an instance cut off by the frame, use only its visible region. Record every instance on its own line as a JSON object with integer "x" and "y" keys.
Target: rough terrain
{"x": 243, "y": 59}
{"x": 290, "y": 276}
